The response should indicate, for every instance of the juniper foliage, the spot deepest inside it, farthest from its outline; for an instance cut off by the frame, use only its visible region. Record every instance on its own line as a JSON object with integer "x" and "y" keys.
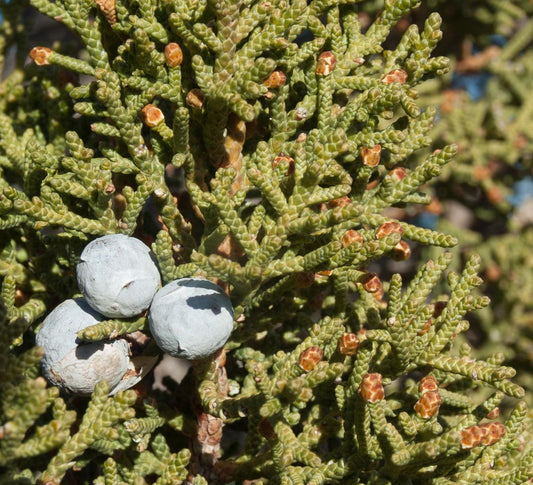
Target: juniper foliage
{"x": 267, "y": 146}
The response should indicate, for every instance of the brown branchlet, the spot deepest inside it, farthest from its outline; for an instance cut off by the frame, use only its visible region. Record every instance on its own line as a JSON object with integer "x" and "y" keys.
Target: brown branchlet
{"x": 437, "y": 310}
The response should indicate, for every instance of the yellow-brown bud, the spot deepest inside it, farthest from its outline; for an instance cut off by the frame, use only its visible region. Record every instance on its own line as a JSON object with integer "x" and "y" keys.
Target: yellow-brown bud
{"x": 152, "y": 115}
{"x": 40, "y": 55}
{"x": 495, "y": 195}
{"x": 493, "y": 272}
{"x": 173, "y": 55}
{"x": 481, "y": 172}
{"x": 371, "y": 388}
{"x": 435, "y": 206}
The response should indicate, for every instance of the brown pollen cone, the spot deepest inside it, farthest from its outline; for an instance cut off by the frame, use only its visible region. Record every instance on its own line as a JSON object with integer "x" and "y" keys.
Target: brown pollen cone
{"x": 348, "y": 343}
{"x": 284, "y": 160}
{"x": 371, "y": 283}
{"x": 152, "y": 115}
{"x": 371, "y": 155}
{"x": 40, "y": 55}
{"x": 428, "y": 404}
{"x": 326, "y": 63}
{"x": 388, "y": 228}
{"x": 401, "y": 251}
{"x": 310, "y": 357}
{"x": 173, "y": 54}
{"x": 428, "y": 384}
{"x": 340, "y": 202}
{"x": 371, "y": 388}
{"x": 108, "y": 8}
{"x": 275, "y": 80}
{"x": 395, "y": 76}
{"x": 195, "y": 98}
{"x": 398, "y": 173}
{"x": 350, "y": 237}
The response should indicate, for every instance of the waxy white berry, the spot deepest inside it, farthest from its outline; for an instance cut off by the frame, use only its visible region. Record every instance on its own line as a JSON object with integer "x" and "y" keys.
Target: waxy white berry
{"x": 118, "y": 275}
{"x": 74, "y": 365}
{"x": 191, "y": 318}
